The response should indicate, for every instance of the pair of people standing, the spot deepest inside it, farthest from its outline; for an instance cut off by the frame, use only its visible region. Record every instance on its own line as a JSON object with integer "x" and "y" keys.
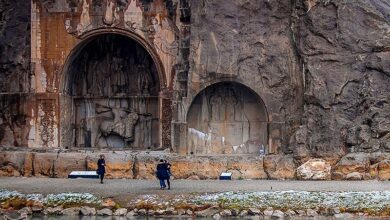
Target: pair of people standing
{"x": 164, "y": 173}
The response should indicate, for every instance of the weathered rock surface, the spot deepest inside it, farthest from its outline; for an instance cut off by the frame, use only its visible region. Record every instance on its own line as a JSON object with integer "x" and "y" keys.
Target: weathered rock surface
{"x": 11, "y": 163}
{"x": 280, "y": 167}
{"x": 126, "y": 165}
{"x": 344, "y": 216}
{"x": 87, "y": 211}
{"x": 212, "y": 167}
{"x": 254, "y": 211}
{"x": 108, "y": 203}
{"x": 311, "y": 213}
{"x": 53, "y": 211}
{"x": 226, "y": 212}
{"x": 268, "y": 211}
{"x": 384, "y": 170}
{"x": 314, "y": 169}
{"x": 352, "y": 163}
{"x": 104, "y": 212}
{"x": 25, "y": 211}
{"x": 120, "y": 212}
{"x": 342, "y": 47}
{"x": 74, "y": 211}
{"x": 208, "y": 212}
{"x": 118, "y": 164}
{"x": 354, "y": 176}
{"x": 131, "y": 214}
{"x": 278, "y": 214}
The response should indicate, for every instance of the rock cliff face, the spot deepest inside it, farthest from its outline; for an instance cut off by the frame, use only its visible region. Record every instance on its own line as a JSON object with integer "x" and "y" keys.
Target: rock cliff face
{"x": 15, "y": 46}
{"x": 345, "y": 51}
{"x": 15, "y": 74}
{"x": 318, "y": 70}
{"x": 249, "y": 42}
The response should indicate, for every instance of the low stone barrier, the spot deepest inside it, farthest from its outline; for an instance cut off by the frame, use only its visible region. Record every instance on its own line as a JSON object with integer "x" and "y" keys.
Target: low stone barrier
{"x": 141, "y": 165}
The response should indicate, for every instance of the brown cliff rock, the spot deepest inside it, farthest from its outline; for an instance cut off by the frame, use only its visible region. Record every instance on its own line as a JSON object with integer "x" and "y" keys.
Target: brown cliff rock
{"x": 352, "y": 163}
{"x": 280, "y": 167}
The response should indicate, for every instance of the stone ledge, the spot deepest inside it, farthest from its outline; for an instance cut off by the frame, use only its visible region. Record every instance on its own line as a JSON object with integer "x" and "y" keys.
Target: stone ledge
{"x": 141, "y": 165}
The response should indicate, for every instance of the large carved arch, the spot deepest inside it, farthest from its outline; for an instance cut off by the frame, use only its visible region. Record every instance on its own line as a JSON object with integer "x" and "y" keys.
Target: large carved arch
{"x": 227, "y": 118}
{"x": 86, "y": 37}
{"x": 125, "y": 110}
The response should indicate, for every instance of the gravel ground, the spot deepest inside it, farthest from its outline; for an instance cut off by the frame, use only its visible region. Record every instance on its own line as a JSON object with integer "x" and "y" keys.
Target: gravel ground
{"x": 129, "y": 188}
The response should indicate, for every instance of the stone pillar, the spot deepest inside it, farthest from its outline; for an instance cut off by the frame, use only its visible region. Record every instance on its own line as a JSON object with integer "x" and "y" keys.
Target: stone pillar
{"x": 179, "y": 137}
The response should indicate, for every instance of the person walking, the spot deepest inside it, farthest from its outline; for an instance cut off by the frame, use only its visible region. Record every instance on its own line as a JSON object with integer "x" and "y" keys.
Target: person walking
{"x": 162, "y": 173}
{"x": 168, "y": 167}
{"x": 101, "y": 170}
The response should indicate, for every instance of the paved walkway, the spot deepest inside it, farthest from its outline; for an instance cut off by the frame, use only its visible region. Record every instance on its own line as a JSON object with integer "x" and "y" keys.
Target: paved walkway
{"x": 122, "y": 187}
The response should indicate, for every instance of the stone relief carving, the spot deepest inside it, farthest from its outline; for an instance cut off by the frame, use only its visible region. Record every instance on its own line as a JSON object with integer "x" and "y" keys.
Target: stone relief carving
{"x": 117, "y": 123}
{"x": 226, "y": 119}
{"x": 122, "y": 125}
{"x": 114, "y": 10}
{"x": 114, "y": 66}
{"x": 115, "y": 86}
{"x": 110, "y": 12}
{"x": 133, "y": 17}
{"x": 47, "y": 125}
{"x": 163, "y": 34}
{"x": 85, "y": 19}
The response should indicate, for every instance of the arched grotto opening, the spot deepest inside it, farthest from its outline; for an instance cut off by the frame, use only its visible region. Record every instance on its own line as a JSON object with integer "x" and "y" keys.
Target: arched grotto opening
{"x": 111, "y": 95}
{"x": 227, "y": 118}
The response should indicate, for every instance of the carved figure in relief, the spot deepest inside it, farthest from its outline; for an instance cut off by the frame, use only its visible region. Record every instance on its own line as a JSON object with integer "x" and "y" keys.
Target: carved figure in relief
{"x": 122, "y": 124}
{"x": 143, "y": 80}
{"x": 85, "y": 19}
{"x": 133, "y": 16}
{"x": 94, "y": 79}
{"x": 164, "y": 36}
{"x": 109, "y": 13}
{"x": 230, "y": 103}
{"x": 119, "y": 76}
{"x": 68, "y": 27}
{"x": 114, "y": 12}
{"x": 216, "y": 104}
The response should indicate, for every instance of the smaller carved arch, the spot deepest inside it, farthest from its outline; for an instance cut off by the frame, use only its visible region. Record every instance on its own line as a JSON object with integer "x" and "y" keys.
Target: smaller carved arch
{"x": 227, "y": 117}
{"x": 210, "y": 83}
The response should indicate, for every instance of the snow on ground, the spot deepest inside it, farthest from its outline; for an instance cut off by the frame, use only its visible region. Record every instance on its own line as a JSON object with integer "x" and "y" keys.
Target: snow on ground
{"x": 52, "y": 199}
{"x": 352, "y": 201}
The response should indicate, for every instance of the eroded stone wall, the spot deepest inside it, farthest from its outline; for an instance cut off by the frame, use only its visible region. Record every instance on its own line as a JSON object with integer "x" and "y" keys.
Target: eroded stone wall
{"x": 141, "y": 165}
{"x": 344, "y": 47}
{"x": 15, "y": 74}
{"x": 321, "y": 68}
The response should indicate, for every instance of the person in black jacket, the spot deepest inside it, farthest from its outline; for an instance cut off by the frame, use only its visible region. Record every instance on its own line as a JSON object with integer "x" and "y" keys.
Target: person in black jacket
{"x": 162, "y": 173}
{"x": 101, "y": 170}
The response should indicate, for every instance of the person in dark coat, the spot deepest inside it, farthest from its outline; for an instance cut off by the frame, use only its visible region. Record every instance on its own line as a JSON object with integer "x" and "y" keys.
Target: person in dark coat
{"x": 168, "y": 167}
{"x": 162, "y": 173}
{"x": 101, "y": 170}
